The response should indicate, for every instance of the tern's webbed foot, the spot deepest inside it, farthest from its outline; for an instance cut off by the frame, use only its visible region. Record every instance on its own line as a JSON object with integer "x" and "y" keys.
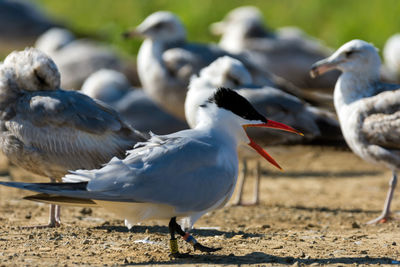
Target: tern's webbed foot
{"x": 202, "y": 248}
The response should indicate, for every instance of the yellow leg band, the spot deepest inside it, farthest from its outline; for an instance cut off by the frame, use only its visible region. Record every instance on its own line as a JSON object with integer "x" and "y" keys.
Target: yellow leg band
{"x": 173, "y": 245}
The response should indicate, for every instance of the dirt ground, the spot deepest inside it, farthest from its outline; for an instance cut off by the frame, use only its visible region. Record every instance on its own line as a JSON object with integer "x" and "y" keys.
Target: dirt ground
{"x": 313, "y": 213}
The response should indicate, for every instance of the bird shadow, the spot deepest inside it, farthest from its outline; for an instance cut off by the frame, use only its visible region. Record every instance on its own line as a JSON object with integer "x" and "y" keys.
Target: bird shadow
{"x": 263, "y": 258}
{"x": 164, "y": 230}
{"x": 316, "y": 174}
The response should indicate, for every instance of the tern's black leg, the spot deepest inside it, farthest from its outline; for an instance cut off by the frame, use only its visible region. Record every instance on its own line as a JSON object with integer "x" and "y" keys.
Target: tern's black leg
{"x": 173, "y": 243}
{"x": 188, "y": 237}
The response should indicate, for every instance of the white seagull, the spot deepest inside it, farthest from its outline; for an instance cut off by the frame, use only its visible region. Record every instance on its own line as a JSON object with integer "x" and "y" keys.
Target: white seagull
{"x": 133, "y": 105}
{"x": 391, "y": 56}
{"x": 270, "y": 102}
{"x": 288, "y": 53}
{"x": 166, "y": 61}
{"x": 368, "y": 110}
{"x": 49, "y": 131}
{"x": 187, "y": 173}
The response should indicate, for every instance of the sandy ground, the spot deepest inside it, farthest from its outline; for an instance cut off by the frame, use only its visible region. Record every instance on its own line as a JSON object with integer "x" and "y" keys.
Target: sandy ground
{"x": 311, "y": 214}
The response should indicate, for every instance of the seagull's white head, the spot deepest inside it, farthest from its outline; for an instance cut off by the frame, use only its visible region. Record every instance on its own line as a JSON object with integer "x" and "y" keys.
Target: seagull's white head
{"x": 391, "y": 54}
{"x": 34, "y": 70}
{"x": 227, "y": 109}
{"x": 244, "y": 15}
{"x": 162, "y": 26}
{"x": 357, "y": 57}
{"x": 226, "y": 72}
{"x": 54, "y": 39}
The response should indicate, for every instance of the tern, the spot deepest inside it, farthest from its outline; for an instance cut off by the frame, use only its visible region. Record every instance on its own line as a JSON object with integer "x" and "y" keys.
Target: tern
{"x": 187, "y": 173}
{"x": 49, "y": 131}
{"x": 271, "y": 102}
{"x": 368, "y": 110}
{"x": 166, "y": 61}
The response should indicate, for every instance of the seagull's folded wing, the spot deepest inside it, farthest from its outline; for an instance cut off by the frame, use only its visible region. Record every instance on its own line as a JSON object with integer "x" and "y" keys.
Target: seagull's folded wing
{"x": 380, "y": 118}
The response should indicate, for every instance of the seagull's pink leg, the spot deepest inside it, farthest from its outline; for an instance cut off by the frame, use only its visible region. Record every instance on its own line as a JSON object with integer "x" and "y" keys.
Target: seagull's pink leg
{"x": 384, "y": 217}
{"x": 239, "y": 194}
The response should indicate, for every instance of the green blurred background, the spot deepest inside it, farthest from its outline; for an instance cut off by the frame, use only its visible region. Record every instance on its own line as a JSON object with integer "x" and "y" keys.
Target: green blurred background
{"x": 332, "y": 21}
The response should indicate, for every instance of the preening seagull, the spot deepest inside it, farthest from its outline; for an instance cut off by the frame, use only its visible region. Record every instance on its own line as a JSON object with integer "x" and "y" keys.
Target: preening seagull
{"x": 273, "y": 103}
{"x": 166, "y": 61}
{"x": 187, "y": 173}
{"x": 368, "y": 110}
{"x": 286, "y": 53}
{"x": 49, "y": 131}
{"x": 134, "y": 106}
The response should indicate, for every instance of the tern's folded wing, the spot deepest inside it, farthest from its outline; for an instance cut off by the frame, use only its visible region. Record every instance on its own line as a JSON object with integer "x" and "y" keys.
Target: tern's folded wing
{"x": 185, "y": 173}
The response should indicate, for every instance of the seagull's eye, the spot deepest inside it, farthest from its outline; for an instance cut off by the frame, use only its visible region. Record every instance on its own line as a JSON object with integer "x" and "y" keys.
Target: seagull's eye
{"x": 158, "y": 25}
{"x": 349, "y": 53}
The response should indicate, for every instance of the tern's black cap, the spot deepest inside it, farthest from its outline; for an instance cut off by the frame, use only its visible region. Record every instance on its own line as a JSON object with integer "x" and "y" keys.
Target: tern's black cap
{"x": 230, "y": 100}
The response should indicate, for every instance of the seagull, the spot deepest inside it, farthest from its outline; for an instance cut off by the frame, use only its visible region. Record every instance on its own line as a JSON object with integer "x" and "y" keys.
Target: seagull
{"x": 182, "y": 174}
{"x": 166, "y": 61}
{"x": 76, "y": 58}
{"x": 368, "y": 110}
{"x": 288, "y": 52}
{"x": 391, "y": 56}
{"x": 133, "y": 105}
{"x": 268, "y": 101}
{"x": 47, "y": 130}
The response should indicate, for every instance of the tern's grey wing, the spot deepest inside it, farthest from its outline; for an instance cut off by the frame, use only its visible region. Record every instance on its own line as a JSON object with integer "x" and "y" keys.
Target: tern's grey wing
{"x": 381, "y": 119}
{"x": 179, "y": 171}
{"x": 57, "y": 131}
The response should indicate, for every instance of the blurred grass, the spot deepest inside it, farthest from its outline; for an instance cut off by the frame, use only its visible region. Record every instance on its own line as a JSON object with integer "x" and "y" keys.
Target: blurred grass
{"x": 334, "y": 22}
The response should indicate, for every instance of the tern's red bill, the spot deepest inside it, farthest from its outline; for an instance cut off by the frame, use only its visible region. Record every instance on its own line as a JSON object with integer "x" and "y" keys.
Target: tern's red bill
{"x": 269, "y": 124}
